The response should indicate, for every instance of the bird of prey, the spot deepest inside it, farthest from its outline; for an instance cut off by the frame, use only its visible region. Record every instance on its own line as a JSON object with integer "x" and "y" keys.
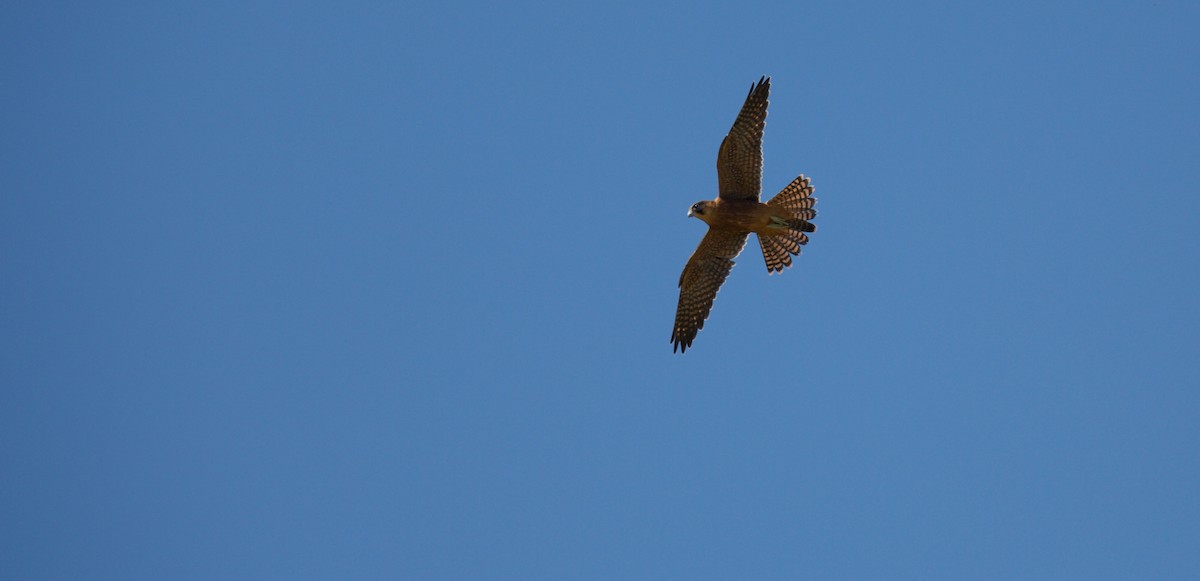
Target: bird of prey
{"x": 781, "y": 224}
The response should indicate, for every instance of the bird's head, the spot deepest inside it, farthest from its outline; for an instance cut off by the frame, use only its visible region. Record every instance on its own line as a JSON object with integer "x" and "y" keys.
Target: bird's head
{"x": 701, "y": 209}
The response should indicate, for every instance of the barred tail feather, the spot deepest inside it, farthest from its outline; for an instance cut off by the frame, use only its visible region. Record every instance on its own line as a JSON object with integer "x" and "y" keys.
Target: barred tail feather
{"x": 797, "y": 199}
{"x": 802, "y": 225}
{"x": 778, "y": 249}
{"x": 798, "y": 202}
{"x": 776, "y": 255}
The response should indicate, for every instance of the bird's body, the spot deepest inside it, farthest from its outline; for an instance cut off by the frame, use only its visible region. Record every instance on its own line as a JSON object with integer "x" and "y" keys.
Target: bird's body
{"x": 743, "y": 216}
{"x": 781, "y": 224}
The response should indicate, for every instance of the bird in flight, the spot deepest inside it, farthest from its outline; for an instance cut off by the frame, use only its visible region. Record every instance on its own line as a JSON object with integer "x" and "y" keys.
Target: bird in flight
{"x": 781, "y": 223}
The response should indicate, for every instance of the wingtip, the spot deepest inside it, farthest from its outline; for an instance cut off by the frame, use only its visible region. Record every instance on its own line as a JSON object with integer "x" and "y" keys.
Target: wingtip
{"x": 764, "y": 82}
{"x": 680, "y": 346}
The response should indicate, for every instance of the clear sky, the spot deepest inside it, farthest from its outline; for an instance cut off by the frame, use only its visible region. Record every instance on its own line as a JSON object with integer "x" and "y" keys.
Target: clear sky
{"x": 339, "y": 290}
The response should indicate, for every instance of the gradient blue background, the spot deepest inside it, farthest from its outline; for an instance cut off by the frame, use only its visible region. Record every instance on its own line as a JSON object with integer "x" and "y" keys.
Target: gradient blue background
{"x": 385, "y": 289}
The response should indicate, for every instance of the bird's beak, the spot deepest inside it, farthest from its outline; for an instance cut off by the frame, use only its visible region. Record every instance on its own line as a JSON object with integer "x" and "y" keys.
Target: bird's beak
{"x": 690, "y": 214}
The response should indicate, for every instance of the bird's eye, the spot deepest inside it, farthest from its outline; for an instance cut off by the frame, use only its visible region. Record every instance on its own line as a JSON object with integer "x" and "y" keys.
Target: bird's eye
{"x": 696, "y": 207}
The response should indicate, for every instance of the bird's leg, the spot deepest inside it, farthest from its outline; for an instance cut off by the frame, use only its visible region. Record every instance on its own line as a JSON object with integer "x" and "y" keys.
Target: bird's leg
{"x": 780, "y": 223}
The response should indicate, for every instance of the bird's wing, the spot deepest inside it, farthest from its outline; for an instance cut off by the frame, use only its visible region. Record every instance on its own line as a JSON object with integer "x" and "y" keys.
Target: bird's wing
{"x": 739, "y": 161}
{"x": 702, "y": 277}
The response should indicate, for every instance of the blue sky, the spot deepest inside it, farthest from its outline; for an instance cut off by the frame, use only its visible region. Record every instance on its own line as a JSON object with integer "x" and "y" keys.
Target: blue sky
{"x": 385, "y": 290}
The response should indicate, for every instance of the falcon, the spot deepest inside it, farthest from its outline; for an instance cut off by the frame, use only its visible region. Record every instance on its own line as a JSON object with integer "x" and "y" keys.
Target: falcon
{"x": 781, "y": 224}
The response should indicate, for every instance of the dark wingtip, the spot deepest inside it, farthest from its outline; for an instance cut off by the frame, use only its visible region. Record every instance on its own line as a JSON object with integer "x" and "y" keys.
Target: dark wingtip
{"x": 680, "y": 344}
{"x": 764, "y": 83}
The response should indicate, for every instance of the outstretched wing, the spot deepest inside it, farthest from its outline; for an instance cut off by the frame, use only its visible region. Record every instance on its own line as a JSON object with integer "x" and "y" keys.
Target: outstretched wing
{"x": 739, "y": 161}
{"x": 702, "y": 277}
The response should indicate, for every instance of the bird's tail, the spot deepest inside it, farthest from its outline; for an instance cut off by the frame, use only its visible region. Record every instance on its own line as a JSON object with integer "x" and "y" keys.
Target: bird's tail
{"x": 797, "y": 200}
{"x": 796, "y": 203}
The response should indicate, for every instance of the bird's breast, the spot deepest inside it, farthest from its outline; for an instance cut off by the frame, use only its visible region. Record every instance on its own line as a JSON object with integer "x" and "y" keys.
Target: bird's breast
{"x": 742, "y": 215}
